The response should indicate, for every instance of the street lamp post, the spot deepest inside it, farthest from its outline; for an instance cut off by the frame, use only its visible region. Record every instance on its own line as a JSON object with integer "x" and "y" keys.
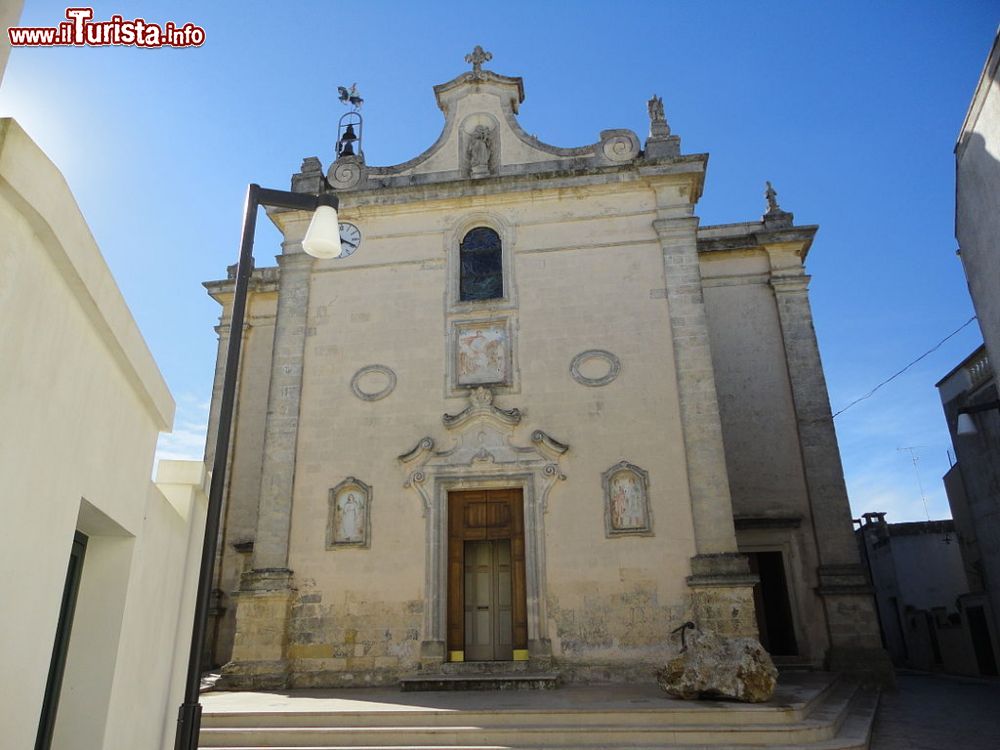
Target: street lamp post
{"x": 322, "y": 240}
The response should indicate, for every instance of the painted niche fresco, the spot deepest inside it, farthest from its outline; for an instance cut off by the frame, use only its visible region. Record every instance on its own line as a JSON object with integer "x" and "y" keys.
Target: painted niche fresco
{"x": 483, "y": 353}
{"x": 349, "y": 522}
{"x": 626, "y": 501}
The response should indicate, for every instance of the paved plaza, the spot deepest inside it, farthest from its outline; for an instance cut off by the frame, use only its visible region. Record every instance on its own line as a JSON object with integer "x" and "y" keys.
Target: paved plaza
{"x": 926, "y": 712}
{"x": 936, "y": 712}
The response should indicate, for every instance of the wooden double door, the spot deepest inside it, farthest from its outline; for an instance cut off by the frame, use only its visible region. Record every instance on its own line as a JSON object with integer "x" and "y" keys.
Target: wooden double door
{"x": 487, "y": 606}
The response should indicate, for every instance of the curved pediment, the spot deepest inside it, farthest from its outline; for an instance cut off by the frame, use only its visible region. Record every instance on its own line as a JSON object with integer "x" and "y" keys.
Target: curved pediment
{"x": 482, "y": 138}
{"x": 483, "y": 441}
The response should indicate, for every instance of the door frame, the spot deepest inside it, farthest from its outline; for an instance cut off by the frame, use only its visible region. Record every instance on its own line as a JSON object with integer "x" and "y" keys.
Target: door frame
{"x": 455, "y": 585}
{"x": 60, "y": 647}
{"x": 534, "y": 488}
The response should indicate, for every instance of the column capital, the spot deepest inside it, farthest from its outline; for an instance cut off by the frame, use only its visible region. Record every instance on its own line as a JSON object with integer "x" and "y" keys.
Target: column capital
{"x": 721, "y": 569}
{"x": 791, "y": 283}
{"x": 295, "y": 261}
{"x": 679, "y": 228}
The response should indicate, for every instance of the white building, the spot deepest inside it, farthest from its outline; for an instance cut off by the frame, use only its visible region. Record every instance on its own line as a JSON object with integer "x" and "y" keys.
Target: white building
{"x": 100, "y": 565}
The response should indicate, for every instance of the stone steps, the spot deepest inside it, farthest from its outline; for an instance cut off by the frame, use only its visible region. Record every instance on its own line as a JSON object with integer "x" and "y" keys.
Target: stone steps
{"x": 484, "y": 667}
{"x": 633, "y": 708}
{"x": 836, "y": 717}
{"x": 480, "y": 681}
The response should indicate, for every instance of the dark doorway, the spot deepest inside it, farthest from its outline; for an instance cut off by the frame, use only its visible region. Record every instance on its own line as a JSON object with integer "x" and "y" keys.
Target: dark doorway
{"x": 50, "y": 703}
{"x": 774, "y": 612}
{"x": 488, "y": 622}
{"x": 981, "y": 643}
{"x": 487, "y": 605}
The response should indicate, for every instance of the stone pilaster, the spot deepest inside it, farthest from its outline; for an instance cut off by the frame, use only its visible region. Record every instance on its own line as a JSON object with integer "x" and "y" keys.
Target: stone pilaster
{"x": 217, "y": 615}
{"x": 274, "y": 515}
{"x": 711, "y": 504}
{"x": 855, "y": 644}
{"x": 721, "y": 586}
{"x": 263, "y": 605}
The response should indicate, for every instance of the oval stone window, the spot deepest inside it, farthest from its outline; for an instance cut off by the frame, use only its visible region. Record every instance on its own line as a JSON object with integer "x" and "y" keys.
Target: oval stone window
{"x": 373, "y": 382}
{"x": 595, "y": 367}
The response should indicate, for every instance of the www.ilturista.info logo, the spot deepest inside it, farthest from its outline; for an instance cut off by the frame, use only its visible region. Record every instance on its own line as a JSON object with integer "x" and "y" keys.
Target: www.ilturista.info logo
{"x": 80, "y": 30}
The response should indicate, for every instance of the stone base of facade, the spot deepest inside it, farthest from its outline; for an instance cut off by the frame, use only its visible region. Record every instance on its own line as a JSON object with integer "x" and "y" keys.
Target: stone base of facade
{"x": 856, "y": 645}
{"x": 433, "y": 654}
{"x": 305, "y": 675}
{"x": 255, "y": 675}
{"x": 260, "y": 648}
{"x": 721, "y": 594}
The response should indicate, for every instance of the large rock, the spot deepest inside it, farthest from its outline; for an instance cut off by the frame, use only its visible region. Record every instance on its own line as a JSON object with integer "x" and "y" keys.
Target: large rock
{"x": 717, "y": 666}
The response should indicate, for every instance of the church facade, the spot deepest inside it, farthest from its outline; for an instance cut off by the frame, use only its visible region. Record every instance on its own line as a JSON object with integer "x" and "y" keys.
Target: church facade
{"x": 537, "y": 413}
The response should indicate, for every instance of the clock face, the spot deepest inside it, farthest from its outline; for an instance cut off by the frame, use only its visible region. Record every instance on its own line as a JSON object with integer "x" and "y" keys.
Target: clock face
{"x": 350, "y": 238}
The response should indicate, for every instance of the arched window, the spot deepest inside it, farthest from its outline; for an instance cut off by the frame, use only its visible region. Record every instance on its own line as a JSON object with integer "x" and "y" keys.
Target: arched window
{"x": 481, "y": 265}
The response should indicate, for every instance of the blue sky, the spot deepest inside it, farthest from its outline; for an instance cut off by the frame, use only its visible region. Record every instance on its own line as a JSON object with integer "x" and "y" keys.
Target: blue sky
{"x": 850, "y": 109}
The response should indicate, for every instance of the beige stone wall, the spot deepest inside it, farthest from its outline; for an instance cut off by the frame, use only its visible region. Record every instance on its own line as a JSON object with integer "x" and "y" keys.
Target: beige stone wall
{"x": 766, "y": 475}
{"x": 581, "y": 281}
{"x": 762, "y": 451}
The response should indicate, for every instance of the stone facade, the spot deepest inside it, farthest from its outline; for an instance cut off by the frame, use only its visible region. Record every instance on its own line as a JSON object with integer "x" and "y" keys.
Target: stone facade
{"x": 626, "y": 335}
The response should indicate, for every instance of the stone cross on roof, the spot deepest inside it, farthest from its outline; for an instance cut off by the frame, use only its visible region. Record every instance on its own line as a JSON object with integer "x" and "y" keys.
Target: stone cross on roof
{"x": 477, "y": 57}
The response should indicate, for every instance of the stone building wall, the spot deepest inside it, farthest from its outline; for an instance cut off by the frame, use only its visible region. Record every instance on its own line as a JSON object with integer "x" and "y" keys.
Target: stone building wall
{"x": 580, "y": 283}
{"x": 612, "y": 347}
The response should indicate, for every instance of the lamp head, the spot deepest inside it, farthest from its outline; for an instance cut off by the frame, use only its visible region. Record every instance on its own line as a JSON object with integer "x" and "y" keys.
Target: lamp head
{"x": 965, "y": 425}
{"x": 322, "y": 238}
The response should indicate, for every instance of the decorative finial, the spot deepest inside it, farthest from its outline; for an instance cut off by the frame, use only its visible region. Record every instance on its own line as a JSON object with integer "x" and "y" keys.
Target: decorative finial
{"x": 658, "y": 127}
{"x": 772, "y": 199}
{"x": 655, "y": 107}
{"x": 775, "y": 216}
{"x": 476, "y": 58}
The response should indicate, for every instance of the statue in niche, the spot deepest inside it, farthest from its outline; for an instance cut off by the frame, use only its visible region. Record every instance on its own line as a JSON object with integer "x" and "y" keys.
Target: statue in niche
{"x": 479, "y": 150}
{"x": 626, "y": 501}
{"x": 350, "y": 518}
{"x": 348, "y": 523}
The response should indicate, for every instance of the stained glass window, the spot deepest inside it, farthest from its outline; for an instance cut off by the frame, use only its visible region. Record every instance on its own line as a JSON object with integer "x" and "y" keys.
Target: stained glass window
{"x": 482, "y": 266}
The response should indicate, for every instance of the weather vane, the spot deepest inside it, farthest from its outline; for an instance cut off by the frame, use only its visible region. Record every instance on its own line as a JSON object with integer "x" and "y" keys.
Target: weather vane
{"x": 350, "y": 96}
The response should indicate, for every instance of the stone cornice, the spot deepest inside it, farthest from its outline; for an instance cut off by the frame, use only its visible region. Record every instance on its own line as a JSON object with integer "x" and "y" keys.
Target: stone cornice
{"x": 473, "y": 78}
{"x": 261, "y": 281}
{"x": 754, "y": 235}
{"x": 409, "y": 189}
